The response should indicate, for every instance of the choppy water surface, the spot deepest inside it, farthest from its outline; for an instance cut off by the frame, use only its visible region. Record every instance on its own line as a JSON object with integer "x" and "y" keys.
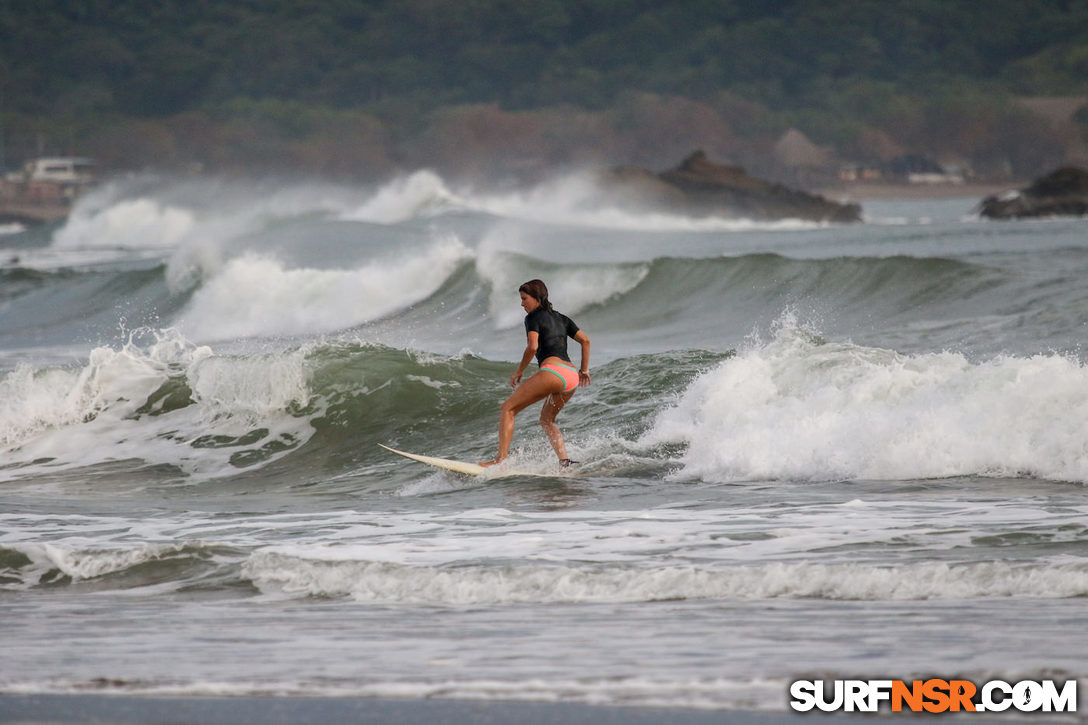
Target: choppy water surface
{"x": 808, "y": 450}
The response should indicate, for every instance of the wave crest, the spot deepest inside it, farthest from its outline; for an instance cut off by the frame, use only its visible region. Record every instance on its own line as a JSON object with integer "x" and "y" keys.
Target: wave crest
{"x": 804, "y": 409}
{"x": 254, "y": 295}
{"x": 158, "y": 399}
{"x": 392, "y": 583}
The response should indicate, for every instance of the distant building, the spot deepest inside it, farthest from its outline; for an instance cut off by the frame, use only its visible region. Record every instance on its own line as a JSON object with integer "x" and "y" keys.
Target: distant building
{"x": 859, "y": 172}
{"x": 53, "y": 179}
{"x": 45, "y": 188}
{"x": 919, "y": 169}
{"x": 941, "y": 178}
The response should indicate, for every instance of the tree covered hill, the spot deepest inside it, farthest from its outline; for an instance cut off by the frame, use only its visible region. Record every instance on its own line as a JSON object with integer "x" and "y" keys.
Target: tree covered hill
{"x": 214, "y": 80}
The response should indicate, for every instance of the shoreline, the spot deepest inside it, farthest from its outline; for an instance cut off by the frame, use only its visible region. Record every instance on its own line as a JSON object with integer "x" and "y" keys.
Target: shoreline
{"x": 112, "y": 709}
{"x": 862, "y": 192}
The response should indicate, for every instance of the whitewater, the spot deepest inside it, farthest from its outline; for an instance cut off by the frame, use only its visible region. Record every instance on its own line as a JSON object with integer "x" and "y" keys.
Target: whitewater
{"x": 809, "y": 450}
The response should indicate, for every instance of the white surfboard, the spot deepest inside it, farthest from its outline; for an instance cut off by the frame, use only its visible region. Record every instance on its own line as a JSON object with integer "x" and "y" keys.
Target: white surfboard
{"x": 468, "y": 469}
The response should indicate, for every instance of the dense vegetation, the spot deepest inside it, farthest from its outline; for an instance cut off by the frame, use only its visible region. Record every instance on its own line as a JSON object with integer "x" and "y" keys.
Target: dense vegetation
{"x": 345, "y": 86}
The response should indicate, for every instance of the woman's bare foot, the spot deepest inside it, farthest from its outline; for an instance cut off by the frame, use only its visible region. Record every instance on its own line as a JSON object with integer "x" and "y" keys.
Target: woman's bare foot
{"x": 492, "y": 462}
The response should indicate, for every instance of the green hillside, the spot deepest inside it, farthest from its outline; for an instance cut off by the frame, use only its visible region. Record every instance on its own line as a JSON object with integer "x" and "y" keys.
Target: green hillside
{"x": 293, "y": 83}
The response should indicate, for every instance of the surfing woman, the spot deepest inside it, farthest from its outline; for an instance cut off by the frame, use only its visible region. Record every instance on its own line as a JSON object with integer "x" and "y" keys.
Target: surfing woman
{"x": 546, "y": 333}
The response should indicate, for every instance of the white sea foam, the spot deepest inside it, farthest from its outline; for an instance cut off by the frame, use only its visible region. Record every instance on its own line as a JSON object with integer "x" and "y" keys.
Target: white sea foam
{"x": 798, "y": 408}
{"x": 113, "y": 380}
{"x": 703, "y": 693}
{"x": 572, "y": 288}
{"x": 574, "y": 199}
{"x": 165, "y": 213}
{"x": 80, "y": 564}
{"x": 578, "y": 200}
{"x": 130, "y": 223}
{"x": 405, "y": 198}
{"x": 102, "y": 411}
{"x": 256, "y": 295}
{"x": 388, "y": 583}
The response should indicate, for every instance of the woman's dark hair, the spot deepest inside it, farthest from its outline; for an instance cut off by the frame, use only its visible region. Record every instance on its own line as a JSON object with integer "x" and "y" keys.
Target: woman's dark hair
{"x": 536, "y": 289}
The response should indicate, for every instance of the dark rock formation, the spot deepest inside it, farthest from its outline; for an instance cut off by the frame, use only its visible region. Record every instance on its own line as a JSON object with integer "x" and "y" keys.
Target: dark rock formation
{"x": 700, "y": 187}
{"x": 1061, "y": 193}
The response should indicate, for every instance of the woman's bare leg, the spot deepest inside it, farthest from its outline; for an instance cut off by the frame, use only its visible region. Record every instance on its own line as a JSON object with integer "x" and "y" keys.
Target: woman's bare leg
{"x": 548, "y": 412}
{"x": 538, "y": 387}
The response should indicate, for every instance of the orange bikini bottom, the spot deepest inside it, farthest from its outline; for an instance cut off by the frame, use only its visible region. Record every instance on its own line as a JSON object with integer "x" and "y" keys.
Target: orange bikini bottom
{"x": 567, "y": 373}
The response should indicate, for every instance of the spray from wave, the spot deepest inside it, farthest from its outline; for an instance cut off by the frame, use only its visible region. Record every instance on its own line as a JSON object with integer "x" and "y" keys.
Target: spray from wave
{"x": 163, "y": 213}
{"x": 800, "y": 408}
{"x": 574, "y": 288}
{"x": 255, "y": 295}
{"x": 389, "y": 583}
{"x": 334, "y": 572}
{"x": 422, "y": 193}
{"x": 159, "y": 399}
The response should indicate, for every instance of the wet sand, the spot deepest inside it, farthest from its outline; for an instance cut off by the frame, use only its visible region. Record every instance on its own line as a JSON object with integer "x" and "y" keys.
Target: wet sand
{"x": 876, "y": 191}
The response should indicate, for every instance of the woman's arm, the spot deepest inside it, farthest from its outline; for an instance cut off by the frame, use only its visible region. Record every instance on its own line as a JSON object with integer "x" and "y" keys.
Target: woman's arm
{"x": 532, "y": 341}
{"x": 583, "y": 369}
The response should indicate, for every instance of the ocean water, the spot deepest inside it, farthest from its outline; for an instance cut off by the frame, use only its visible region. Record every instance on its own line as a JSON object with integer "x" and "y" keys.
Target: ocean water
{"x": 808, "y": 450}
